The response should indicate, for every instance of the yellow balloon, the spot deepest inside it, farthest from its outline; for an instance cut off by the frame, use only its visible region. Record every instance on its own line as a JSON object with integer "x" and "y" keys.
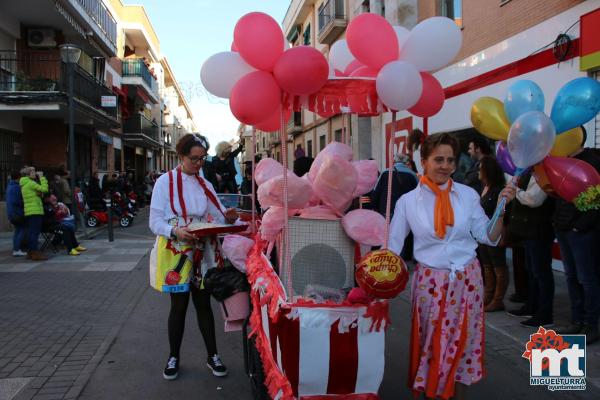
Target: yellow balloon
{"x": 489, "y": 118}
{"x": 567, "y": 142}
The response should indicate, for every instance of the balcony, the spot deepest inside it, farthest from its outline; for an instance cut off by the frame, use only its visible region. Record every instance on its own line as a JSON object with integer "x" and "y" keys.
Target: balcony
{"x": 332, "y": 21}
{"x": 141, "y": 131}
{"x": 39, "y": 77}
{"x": 294, "y": 125}
{"x": 104, "y": 20}
{"x": 136, "y": 73}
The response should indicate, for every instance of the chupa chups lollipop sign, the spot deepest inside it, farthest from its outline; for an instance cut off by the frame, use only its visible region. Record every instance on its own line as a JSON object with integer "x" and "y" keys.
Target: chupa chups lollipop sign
{"x": 382, "y": 274}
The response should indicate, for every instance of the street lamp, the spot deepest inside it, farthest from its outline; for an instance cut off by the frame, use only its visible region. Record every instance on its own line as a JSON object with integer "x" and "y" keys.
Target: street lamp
{"x": 69, "y": 53}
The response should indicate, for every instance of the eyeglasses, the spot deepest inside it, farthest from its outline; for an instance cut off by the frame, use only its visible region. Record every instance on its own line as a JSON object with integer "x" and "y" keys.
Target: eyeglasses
{"x": 196, "y": 160}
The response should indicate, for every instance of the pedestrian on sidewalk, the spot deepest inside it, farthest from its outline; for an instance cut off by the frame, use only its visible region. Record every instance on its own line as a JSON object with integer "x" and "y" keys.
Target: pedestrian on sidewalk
{"x": 33, "y": 186}
{"x": 15, "y": 213}
{"x": 58, "y": 219}
{"x": 492, "y": 258}
{"x": 531, "y": 220}
{"x": 578, "y": 235}
{"x": 180, "y": 197}
{"x": 446, "y": 218}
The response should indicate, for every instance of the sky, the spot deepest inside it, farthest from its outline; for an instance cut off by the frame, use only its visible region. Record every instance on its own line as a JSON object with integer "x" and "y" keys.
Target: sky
{"x": 189, "y": 32}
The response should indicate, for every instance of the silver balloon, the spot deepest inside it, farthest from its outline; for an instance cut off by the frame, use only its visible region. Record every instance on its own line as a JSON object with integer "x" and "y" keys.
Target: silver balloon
{"x": 530, "y": 138}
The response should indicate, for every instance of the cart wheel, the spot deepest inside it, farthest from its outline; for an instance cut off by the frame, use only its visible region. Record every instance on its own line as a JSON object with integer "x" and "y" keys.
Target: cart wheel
{"x": 91, "y": 221}
{"x": 256, "y": 373}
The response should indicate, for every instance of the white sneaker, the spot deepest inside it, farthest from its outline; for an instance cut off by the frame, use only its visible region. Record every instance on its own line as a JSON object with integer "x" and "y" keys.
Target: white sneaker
{"x": 19, "y": 253}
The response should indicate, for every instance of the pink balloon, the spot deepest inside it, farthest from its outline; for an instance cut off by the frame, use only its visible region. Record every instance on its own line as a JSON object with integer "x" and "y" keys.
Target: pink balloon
{"x": 259, "y": 40}
{"x": 254, "y": 98}
{"x": 301, "y": 70}
{"x": 432, "y": 98}
{"x": 367, "y": 172}
{"x": 353, "y": 66}
{"x": 272, "y": 222}
{"x": 372, "y": 40}
{"x": 370, "y": 233}
{"x": 365, "y": 72}
{"x": 335, "y": 183}
{"x": 273, "y": 123}
{"x": 570, "y": 176}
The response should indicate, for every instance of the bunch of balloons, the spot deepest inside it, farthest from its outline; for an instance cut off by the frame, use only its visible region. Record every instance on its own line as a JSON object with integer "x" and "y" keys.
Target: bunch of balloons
{"x": 529, "y": 138}
{"x": 259, "y": 67}
{"x": 399, "y": 59}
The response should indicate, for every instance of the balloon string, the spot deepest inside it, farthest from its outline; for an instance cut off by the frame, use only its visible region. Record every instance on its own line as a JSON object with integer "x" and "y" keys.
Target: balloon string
{"x": 252, "y": 182}
{"x": 388, "y": 203}
{"x": 285, "y": 247}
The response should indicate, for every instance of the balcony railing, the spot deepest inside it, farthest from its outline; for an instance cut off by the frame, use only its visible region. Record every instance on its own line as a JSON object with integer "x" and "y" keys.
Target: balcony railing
{"x": 45, "y": 72}
{"x": 100, "y": 14}
{"x": 139, "y": 124}
{"x": 332, "y": 20}
{"x": 137, "y": 68}
{"x": 294, "y": 125}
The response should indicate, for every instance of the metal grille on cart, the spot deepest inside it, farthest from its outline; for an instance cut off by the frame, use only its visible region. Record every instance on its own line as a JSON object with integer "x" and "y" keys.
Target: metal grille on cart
{"x": 321, "y": 254}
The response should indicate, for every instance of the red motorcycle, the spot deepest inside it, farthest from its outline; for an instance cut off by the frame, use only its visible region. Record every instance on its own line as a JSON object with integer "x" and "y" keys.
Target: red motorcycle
{"x": 120, "y": 213}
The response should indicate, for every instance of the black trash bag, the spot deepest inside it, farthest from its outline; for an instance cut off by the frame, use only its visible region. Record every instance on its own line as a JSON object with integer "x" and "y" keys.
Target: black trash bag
{"x": 224, "y": 282}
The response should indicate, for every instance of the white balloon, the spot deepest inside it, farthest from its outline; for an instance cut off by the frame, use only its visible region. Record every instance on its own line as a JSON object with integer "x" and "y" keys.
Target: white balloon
{"x": 399, "y": 85}
{"x": 402, "y": 34}
{"x": 222, "y": 71}
{"x": 432, "y": 44}
{"x": 339, "y": 55}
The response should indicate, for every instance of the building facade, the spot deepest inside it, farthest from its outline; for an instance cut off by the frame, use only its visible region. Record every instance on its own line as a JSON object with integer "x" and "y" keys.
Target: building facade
{"x": 503, "y": 41}
{"x": 125, "y": 94}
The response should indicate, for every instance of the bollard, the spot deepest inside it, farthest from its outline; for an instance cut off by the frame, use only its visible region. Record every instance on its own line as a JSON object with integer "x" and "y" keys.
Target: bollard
{"x": 111, "y": 237}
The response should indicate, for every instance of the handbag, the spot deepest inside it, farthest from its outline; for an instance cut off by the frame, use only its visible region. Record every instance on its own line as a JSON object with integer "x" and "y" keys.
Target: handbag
{"x": 172, "y": 263}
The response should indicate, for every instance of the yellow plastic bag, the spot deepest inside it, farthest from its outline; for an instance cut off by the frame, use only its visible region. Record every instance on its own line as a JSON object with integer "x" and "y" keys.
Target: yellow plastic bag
{"x": 171, "y": 266}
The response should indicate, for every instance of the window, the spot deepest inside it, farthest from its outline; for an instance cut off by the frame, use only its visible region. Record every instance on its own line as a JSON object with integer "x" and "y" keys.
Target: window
{"x": 102, "y": 156}
{"x": 264, "y": 143}
{"x": 297, "y": 118}
{"x": 337, "y": 135}
{"x": 321, "y": 142}
{"x": 309, "y": 152}
{"x": 453, "y": 10}
{"x": 307, "y": 35}
{"x": 117, "y": 159}
{"x": 366, "y": 6}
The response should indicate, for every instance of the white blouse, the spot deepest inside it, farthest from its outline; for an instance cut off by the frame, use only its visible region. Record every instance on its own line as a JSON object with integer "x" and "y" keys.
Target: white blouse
{"x": 414, "y": 212}
{"x": 197, "y": 205}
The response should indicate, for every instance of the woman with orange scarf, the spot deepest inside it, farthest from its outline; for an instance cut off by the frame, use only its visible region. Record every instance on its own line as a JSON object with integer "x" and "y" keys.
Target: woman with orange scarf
{"x": 447, "y": 221}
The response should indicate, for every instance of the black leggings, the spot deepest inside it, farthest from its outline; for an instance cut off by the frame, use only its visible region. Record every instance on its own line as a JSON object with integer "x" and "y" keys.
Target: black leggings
{"x": 204, "y": 314}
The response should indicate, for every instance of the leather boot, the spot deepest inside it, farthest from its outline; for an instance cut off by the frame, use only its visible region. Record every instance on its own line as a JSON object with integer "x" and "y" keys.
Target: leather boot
{"x": 497, "y": 302}
{"x": 38, "y": 256}
{"x": 490, "y": 284}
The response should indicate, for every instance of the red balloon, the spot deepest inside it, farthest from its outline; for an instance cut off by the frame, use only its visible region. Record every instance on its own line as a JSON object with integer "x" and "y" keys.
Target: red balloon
{"x": 301, "y": 70}
{"x": 255, "y": 97}
{"x": 259, "y": 40}
{"x": 364, "y": 72}
{"x": 273, "y": 123}
{"x": 338, "y": 73}
{"x": 382, "y": 274}
{"x": 353, "y": 66}
{"x": 432, "y": 97}
{"x": 372, "y": 40}
{"x": 570, "y": 176}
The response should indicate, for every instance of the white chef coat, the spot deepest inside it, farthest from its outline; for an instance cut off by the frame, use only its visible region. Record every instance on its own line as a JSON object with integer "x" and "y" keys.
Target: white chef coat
{"x": 415, "y": 212}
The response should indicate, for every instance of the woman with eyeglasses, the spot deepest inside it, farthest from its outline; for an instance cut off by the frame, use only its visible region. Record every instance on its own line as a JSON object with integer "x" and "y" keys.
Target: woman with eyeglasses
{"x": 180, "y": 197}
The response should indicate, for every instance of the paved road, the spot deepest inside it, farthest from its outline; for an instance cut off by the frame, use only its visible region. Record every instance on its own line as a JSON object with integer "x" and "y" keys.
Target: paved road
{"x": 91, "y": 328}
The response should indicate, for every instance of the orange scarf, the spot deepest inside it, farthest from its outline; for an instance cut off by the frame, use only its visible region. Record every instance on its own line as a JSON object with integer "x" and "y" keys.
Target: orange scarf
{"x": 443, "y": 213}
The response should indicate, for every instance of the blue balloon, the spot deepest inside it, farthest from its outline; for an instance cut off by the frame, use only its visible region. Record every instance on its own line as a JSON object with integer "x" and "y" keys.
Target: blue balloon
{"x": 576, "y": 103}
{"x": 523, "y": 96}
